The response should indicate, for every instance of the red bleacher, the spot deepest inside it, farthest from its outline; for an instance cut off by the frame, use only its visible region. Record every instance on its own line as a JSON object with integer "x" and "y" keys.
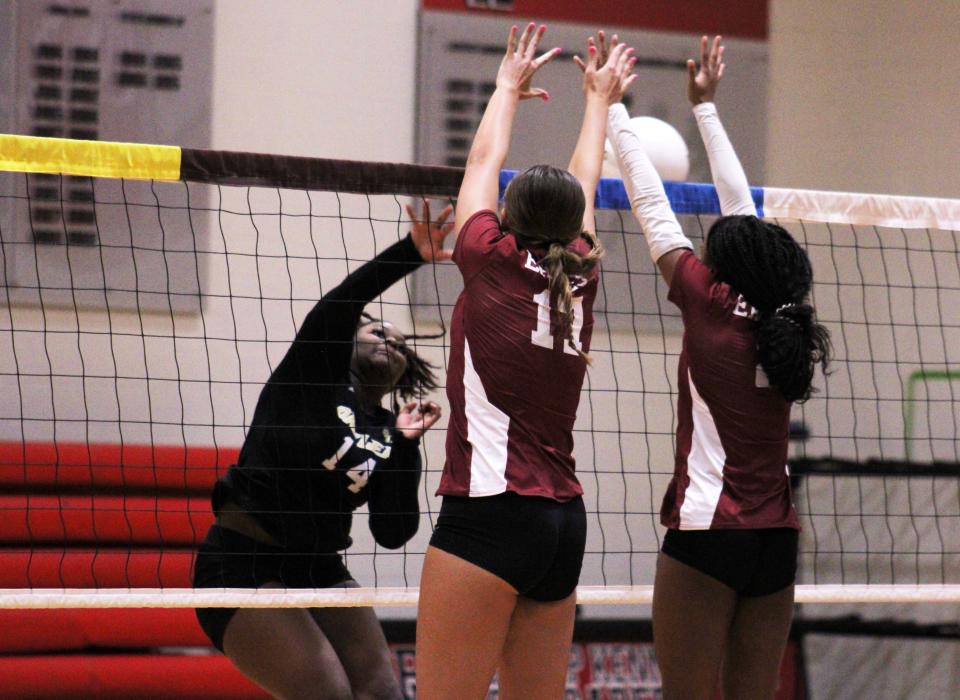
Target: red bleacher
{"x": 107, "y": 516}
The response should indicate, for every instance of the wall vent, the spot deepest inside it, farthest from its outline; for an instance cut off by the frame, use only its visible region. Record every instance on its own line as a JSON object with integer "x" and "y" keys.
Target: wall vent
{"x": 116, "y": 70}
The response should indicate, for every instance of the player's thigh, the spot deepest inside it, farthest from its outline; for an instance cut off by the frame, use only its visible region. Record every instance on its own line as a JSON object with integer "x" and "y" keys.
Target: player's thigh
{"x": 757, "y": 639}
{"x": 284, "y": 651}
{"x": 692, "y": 613}
{"x": 537, "y": 649}
{"x": 462, "y": 624}
{"x": 357, "y": 637}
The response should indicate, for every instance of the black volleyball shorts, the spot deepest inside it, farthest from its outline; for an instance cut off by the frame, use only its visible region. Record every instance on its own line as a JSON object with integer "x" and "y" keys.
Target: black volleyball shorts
{"x": 534, "y": 544}
{"x": 228, "y": 559}
{"x": 753, "y": 563}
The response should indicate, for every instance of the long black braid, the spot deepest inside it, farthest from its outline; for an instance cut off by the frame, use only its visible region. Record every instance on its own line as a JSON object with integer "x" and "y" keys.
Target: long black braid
{"x": 771, "y": 270}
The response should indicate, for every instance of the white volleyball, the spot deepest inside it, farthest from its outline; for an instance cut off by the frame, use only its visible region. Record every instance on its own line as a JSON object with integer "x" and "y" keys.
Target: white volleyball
{"x": 664, "y": 146}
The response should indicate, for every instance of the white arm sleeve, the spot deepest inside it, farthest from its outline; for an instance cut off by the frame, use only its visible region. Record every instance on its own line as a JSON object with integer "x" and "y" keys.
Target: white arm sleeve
{"x": 644, "y": 188}
{"x": 728, "y": 175}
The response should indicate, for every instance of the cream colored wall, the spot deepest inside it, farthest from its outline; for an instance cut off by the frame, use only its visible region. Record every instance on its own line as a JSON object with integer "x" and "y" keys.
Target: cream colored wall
{"x": 864, "y": 96}
{"x": 322, "y": 78}
{"x": 860, "y": 96}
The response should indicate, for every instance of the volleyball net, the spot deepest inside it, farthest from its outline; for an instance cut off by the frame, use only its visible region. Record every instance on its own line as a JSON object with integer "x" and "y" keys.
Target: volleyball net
{"x": 149, "y": 292}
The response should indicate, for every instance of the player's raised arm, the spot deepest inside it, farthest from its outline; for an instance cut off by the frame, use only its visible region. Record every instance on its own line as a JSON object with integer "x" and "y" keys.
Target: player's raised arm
{"x": 728, "y": 176}
{"x": 480, "y": 187}
{"x": 648, "y": 199}
{"x": 606, "y": 75}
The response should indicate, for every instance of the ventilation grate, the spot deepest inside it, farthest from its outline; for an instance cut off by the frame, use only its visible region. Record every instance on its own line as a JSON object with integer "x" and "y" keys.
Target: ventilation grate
{"x": 464, "y": 103}
{"x": 139, "y": 70}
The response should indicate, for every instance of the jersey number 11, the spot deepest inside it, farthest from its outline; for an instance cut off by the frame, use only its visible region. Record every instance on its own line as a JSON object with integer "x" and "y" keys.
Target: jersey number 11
{"x": 542, "y": 335}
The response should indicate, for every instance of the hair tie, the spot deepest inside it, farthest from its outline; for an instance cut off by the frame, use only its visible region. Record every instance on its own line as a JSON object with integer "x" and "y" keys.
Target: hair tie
{"x": 789, "y": 319}
{"x": 784, "y": 307}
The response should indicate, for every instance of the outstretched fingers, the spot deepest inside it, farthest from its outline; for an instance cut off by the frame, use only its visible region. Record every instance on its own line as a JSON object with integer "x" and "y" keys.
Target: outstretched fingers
{"x": 444, "y": 215}
{"x": 521, "y": 62}
{"x": 512, "y": 41}
{"x": 534, "y": 41}
{"x": 626, "y": 75}
{"x": 414, "y": 219}
{"x": 716, "y": 53}
{"x": 623, "y": 58}
{"x": 704, "y": 51}
{"x": 424, "y": 216}
{"x": 593, "y": 56}
{"x": 702, "y": 80}
{"x": 546, "y": 58}
{"x": 711, "y": 57}
{"x": 525, "y": 38}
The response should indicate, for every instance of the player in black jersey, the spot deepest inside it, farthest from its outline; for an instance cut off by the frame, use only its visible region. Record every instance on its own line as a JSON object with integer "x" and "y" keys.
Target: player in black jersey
{"x": 320, "y": 445}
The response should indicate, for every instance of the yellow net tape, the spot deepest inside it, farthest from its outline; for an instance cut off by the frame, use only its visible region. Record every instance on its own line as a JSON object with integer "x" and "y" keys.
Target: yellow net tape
{"x": 33, "y": 154}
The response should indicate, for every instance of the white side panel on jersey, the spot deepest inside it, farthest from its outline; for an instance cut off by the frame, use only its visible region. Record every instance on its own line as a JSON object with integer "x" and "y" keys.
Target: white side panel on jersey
{"x": 487, "y": 430}
{"x": 704, "y": 467}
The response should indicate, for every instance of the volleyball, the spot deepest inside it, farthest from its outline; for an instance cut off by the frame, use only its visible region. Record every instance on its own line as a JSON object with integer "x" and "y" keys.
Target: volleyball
{"x": 664, "y": 145}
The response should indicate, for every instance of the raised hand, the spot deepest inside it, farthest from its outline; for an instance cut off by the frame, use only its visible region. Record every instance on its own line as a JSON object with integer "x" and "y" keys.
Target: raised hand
{"x": 607, "y": 73}
{"x": 519, "y": 63}
{"x": 428, "y": 237}
{"x": 414, "y": 419}
{"x": 702, "y": 84}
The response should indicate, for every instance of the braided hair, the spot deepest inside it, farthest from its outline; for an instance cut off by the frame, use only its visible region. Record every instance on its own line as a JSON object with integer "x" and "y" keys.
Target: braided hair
{"x": 544, "y": 209}
{"x": 764, "y": 263}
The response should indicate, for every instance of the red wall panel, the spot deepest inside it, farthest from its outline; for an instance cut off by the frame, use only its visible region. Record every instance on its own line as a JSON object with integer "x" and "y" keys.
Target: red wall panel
{"x": 94, "y": 519}
{"x": 39, "y": 466}
{"x": 744, "y": 18}
{"x": 78, "y": 568}
{"x": 70, "y": 629}
{"x": 122, "y": 676}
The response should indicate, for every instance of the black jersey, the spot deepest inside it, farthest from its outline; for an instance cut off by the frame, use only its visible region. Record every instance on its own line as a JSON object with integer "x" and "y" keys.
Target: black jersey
{"x": 312, "y": 454}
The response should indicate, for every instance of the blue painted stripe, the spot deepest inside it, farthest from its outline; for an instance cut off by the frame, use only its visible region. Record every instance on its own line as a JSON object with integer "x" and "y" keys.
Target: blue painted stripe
{"x": 685, "y": 197}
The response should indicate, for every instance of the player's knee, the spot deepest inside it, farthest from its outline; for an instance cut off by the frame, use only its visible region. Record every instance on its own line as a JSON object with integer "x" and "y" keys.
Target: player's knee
{"x": 309, "y": 680}
{"x": 324, "y": 689}
{"x": 379, "y": 686}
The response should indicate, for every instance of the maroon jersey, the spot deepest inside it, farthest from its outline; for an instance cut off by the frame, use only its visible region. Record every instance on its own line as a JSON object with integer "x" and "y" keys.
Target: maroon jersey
{"x": 732, "y": 427}
{"x": 513, "y": 386}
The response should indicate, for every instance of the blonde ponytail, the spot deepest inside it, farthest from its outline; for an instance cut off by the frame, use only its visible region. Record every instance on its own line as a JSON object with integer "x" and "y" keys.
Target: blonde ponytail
{"x": 560, "y": 263}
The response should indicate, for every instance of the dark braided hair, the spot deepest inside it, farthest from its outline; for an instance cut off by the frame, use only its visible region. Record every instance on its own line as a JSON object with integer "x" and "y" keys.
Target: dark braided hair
{"x": 768, "y": 267}
{"x": 544, "y": 210}
{"x": 419, "y": 376}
